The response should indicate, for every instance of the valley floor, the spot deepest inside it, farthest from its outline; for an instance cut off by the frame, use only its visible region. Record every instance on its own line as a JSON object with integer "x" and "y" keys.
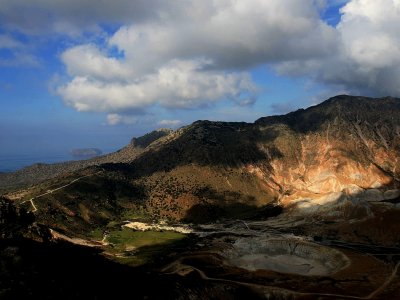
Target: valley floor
{"x": 276, "y": 258}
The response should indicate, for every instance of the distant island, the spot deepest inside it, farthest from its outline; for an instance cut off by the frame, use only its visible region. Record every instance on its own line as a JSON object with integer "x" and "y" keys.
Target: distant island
{"x": 86, "y": 152}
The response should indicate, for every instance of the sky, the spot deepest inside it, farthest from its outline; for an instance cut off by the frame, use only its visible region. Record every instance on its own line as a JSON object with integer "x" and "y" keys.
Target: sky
{"x": 95, "y": 73}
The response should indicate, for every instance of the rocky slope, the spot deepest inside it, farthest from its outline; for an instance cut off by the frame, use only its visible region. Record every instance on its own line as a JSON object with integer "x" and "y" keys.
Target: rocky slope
{"x": 340, "y": 151}
{"x": 333, "y": 159}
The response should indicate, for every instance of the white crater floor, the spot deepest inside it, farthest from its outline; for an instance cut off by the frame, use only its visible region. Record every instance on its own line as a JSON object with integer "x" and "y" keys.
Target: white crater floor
{"x": 286, "y": 256}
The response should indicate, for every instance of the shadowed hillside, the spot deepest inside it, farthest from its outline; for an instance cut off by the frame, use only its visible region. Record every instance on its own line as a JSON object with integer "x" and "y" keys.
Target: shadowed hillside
{"x": 341, "y": 147}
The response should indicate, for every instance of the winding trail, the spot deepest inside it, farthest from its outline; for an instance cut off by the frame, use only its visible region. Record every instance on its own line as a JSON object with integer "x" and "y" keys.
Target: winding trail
{"x": 183, "y": 269}
{"x": 33, "y": 205}
{"x": 57, "y": 189}
{"x": 385, "y": 284}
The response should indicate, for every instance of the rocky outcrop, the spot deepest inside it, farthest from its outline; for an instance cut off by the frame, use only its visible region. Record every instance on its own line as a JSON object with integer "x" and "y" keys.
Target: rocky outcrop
{"x": 149, "y": 138}
{"x": 346, "y": 150}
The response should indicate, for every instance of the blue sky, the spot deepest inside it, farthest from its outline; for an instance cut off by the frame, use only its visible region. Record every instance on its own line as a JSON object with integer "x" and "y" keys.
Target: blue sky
{"x": 77, "y": 74}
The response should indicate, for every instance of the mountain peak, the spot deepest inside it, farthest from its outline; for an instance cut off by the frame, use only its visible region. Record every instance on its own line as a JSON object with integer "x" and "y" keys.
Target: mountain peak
{"x": 149, "y": 138}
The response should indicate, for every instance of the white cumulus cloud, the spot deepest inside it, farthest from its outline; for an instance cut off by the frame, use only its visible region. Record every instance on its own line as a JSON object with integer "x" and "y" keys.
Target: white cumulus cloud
{"x": 179, "y": 84}
{"x": 200, "y": 54}
{"x": 170, "y": 123}
{"x": 115, "y": 119}
{"x": 190, "y": 54}
{"x": 367, "y": 57}
{"x": 88, "y": 60}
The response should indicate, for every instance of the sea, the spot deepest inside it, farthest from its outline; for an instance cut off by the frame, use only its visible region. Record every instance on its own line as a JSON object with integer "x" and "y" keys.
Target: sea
{"x": 14, "y": 162}
{"x": 11, "y": 163}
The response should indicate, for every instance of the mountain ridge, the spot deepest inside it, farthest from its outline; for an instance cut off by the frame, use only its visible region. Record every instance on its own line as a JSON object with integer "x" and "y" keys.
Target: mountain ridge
{"x": 45, "y": 171}
{"x": 328, "y": 159}
{"x": 327, "y": 153}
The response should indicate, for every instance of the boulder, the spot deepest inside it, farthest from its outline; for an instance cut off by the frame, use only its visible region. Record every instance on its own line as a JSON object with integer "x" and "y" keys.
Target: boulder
{"x": 372, "y": 195}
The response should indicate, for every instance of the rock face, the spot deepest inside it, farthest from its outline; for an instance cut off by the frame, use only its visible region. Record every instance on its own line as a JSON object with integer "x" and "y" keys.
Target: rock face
{"x": 343, "y": 145}
{"x": 343, "y": 152}
{"x": 149, "y": 138}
